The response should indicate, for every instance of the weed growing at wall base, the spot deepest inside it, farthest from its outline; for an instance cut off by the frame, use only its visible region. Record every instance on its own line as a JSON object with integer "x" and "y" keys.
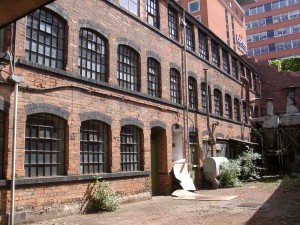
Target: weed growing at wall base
{"x": 105, "y": 199}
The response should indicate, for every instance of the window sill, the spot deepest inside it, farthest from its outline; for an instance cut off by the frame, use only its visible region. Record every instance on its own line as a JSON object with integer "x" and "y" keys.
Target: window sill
{"x": 72, "y": 178}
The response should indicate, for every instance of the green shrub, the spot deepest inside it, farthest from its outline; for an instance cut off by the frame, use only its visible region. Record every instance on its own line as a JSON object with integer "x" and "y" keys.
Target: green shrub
{"x": 249, "y": 169}
{"x": 287, "y": 64}
{"x": 229, "y": 172}
{"x": 104, "y": 198}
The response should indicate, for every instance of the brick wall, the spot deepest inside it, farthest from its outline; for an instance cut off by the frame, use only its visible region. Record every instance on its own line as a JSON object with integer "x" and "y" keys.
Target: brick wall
{"x": 74, "y": 98}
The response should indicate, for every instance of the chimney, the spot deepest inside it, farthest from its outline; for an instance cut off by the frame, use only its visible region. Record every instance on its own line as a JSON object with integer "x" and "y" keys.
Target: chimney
{"x": 291, "y": 106}
{"x": 270, "y": 106}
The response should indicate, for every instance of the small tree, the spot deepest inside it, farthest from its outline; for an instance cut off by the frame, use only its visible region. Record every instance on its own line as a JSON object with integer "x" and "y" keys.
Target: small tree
{"x": 229, "y": 173}
{"x": 249, "y": 169}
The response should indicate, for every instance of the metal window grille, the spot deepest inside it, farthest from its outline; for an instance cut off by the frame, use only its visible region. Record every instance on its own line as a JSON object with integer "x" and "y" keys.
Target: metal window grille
{"x": 45, "y": 39}
{"x": 190, "y": 37}
{"x": 192, "y": 93}
{"x": 248, "y": 73}
{"x": 237, "y": 110}
{"x": 215, "y": 54}
{"x": 1, "y": 142}
{"x": 227, "y": 27}
{"x": 172, "y": 23}
{"x": 218, "y": 102}
{"x": 203, "y": 46}
{"x": 93, "y": 147}
{"x": 233, "y": 33}
{"x": 130, "y": 148}
{"x": 153, "y": 78}
{"x": 44, "y": 145}
{"x": 244, "y": 112}
{"x": 234, "y": 69}
{"x": 174, "y": 86}
{"x": 228, "y": 113}
{"x": 225, "y": 58}
{"x": 152, "y": 13}
{"x": 92, "y": 62}
{"x": 204, "y": 102}
{"x": 242, "y": 70}
{"x": 128, "y": 68}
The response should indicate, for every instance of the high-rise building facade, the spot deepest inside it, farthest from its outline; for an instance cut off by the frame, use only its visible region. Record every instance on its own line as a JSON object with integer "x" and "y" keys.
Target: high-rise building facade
{"x": 273, "y": 29}
{"x": 225, "y": 18}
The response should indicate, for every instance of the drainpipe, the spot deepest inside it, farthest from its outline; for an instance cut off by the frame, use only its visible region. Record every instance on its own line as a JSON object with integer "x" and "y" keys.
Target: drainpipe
{"x": 187, "y": 145}
{"x": 16, "y": 80}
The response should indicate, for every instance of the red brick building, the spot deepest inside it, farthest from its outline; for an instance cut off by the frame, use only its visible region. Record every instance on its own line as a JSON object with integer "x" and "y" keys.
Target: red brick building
{"x": 104, "y": 91}
{"x": 273, "y": 29}
{"x": 224, "y": 18}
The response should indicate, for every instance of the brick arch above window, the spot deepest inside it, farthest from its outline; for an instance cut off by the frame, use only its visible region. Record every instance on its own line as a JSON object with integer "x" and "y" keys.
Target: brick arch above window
{"x": 157, "y": 123}
{"x": 152, "y": 54}
{"x": 58, "y": 9}
{"x": 175, "y": 66}
{"x": 46, "y": 108}
{"x": 132, "y": 44}
{"x": 95, "y": 116}
{"x": 131, "y": 121}
{"x": 192, "y": 74}
{"x": 217, "y": 87}
{"x": 220, "y": 135}
{"x": 4, "y": 106}
{"x": 94, "y": 26}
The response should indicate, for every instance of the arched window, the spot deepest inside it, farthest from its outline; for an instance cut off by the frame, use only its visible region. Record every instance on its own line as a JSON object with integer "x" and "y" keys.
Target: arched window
{"x": 45, "y": 36}
{"x": 218, "y": 102}
{"x": 175, "y": 85}
{"x": 154, "y": 88}
{"x": 192, "y": 93}
{"x": 131, "y": 142}
{"x": 128, "y": 68}
{"x": 44, "y": 145}
{"x": 93, "y": 147}
{"x": 1, "y": 142}
{"x": 228, "y": 107}
{"x": 92, "y": 55}
{"x": 204, "y": 100}
{"x": 245, "y": 112}
{"x": 237, "y": 111}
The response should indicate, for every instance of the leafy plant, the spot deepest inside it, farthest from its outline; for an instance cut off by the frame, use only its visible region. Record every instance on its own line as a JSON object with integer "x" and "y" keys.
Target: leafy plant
{"x": 104, "y": 198}
{"x": 249, "y": 169}
{"x": 287, "y": 64}
{"x": 229, "y": 173}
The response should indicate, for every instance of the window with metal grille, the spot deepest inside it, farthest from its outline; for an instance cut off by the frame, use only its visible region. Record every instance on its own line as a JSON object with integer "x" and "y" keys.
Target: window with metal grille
{"x": 254, "y": 83}
{"x": 215, "y": 54}
{"x": 228, "y": 110}
{"x": 242, "y": 70}
{"x": 225, "y": 59}
{"x": 92, "y": 62}
{"x": 131, "y": 5}
{"x": 233, "y": 33}
{"x": 204, "y": 100}
{"x": 1, "y": 142}
{"x": 152, "y": 13}
{"x": 154, "y": 78}
{"x": 234, "y": 68}
{"x": 44, "y": 145}
{"x": 227, "y": 27}
{"x": 175, "y": 85}
{"x": 172, "y": 23}
{"x": 236, "y": 108}
{"x": 203, "y": 45}
{"x": 192, "y": 93}
{"x": 128, "y": 68}
{"x": 130, "y": 148}
{"x": 248, "y": 73}
{"x": 218, "y": 102}
{"x": 244, "y": 112}
{"x": 93, "y": 147}
{"x": 190, "y": 43}
{"x": 45, "y": 39}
